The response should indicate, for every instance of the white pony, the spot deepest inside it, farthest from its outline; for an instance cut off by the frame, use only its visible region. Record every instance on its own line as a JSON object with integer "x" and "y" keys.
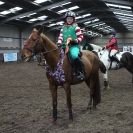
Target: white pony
{"x": 112, "y": 65}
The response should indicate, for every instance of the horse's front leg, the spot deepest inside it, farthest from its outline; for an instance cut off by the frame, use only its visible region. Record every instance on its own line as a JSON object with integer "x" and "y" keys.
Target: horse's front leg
{"x": 106, "y": 82}
{"x": 132, "y": 78}
{"x": 68, "y": 97}
{"x": 90, "y": 101}
{"x": 53, "y": 89}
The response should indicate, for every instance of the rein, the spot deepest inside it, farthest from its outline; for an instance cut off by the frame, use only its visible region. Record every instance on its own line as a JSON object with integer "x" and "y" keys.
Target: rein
{"x": 47, "y": 51}
{"x": 50, "y": 51}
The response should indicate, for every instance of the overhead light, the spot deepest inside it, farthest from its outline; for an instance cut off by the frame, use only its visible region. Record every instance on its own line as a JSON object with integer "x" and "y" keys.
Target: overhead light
{"x": 95, "y": 26}
{"x": 128, "y": 24}
{"x": 33, "y": 19}
{"x": 71, "y": 8}
{"x": 42, "y": 17}
{"x": 121, "y": 10}
{"x": 101, "y": 28}
{"x": 50, "y": 25}
{"x": 88, "y": 22}
{"x": 28, "y": 15}
{"x": 74, "y": 7}
{"x": 22, "y": 16}
{"x": 29, "y": 21}
{"x": 78, "y": 17}
{"x": 124, "y": 14}
{"x": 95, "y": 20}
{"x": 60, "y": 23}
{"x": 17, "y": 19}
{"x": 5, "y": 12}
{"x": 38, "y": 18}
{"x": 101, "y": 24}
{"x": 118, "y": 6}
{"x": 107, "y": 27}
{"x": 13, "y": 10}
{"x": 66, "y": 3}
{"x": 83, "y": 16}
{"x": 125, "y": 17}
{"x": 31, "y": 14}
{"x": 62, "y": 11}
{"x": 1, "y": 2}
{"x": 40, "y": 1}
{"x": 86, "y": 15}
{"x": 60, "y": 5}
{"x": 54, "y": 7}
{"x": 125, "y": 20}
{"x": 131, "y": 29}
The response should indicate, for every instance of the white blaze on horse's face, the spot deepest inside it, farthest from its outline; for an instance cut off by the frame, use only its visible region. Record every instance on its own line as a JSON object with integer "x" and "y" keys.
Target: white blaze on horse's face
{"x": 34, "y": 35}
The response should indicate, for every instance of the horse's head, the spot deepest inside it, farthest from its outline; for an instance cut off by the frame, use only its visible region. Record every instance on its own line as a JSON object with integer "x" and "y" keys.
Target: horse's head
{"x": 30, "y": 44}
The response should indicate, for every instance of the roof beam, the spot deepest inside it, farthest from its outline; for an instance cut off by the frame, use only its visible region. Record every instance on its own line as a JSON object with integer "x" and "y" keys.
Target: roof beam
{"x": 55, "y": 19}
{"x": 78, "y": 12}
{"x": 21, "y": 4}
{"x": 37, "y": 10}
{"x": 80, "y": 21}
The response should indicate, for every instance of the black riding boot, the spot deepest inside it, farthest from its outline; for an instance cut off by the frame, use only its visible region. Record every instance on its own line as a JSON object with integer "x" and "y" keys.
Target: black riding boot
{"x": 39, "y": 59}
{"x": 79, "y": 69}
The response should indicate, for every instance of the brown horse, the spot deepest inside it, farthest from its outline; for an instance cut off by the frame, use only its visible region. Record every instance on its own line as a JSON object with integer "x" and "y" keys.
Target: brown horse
{"x": 52, "y": 56}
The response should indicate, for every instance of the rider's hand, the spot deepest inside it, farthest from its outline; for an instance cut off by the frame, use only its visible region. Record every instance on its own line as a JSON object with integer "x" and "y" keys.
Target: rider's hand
{"x": 59, "y": 45}
{"x": 103, "y": 48}
{"x": 69, "y": 40}
{"x": 73, "y": 42}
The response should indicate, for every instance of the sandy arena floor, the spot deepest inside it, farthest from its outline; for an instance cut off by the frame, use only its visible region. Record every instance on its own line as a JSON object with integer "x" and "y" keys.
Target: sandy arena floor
{"x": 25, "y": 103}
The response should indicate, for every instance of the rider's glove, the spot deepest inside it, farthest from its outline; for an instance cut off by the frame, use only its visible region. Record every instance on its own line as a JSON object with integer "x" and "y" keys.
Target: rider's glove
{"x": 59, "y": 45}
{"x": 103, "y": 48}
{"x": 73, "y": 42}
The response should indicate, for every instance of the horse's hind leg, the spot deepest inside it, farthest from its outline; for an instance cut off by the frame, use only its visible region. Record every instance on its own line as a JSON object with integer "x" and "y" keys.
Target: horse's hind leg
{"x": 106, "y": 82}
{"x": 95, "y": 92}
{"x": 132, "y": 78}
{"x": 90, "y": 101}
{"x": 68, "y": 97}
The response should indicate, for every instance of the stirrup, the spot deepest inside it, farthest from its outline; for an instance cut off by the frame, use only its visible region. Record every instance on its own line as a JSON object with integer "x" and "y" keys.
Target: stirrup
{"x": 80, "y": 76}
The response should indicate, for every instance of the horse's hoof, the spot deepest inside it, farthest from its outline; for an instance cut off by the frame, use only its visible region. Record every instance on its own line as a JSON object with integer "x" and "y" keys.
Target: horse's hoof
{"x": 71, "y": 120}
{"x": 54, "y": 121}
{"x": 106, "y": 88}
{"x": 94, "y": 108}
{"x": 89, "y": 107}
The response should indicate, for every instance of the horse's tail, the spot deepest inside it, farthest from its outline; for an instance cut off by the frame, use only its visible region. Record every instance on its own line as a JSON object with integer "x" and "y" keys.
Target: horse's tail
{"x": 127, "y": 61}
{"x": 97, "y": 90}
{"x": 102, "y": 67}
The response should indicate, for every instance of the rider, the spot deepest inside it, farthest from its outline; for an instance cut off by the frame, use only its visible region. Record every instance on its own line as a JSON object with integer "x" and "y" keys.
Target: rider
{"x": 71, "y": 32}
{"x": 112, "y": 46}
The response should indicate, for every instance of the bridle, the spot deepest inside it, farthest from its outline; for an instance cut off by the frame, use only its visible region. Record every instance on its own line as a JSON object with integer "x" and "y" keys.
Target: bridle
{"x": 37, "y": 42}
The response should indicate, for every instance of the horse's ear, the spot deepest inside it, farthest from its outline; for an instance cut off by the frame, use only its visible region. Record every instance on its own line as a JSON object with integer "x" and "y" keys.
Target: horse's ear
{"x": 39, "y": 28}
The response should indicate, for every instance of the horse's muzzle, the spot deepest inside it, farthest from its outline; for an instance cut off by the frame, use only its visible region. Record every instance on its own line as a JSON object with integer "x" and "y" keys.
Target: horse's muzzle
{"x": 25, "y": 59}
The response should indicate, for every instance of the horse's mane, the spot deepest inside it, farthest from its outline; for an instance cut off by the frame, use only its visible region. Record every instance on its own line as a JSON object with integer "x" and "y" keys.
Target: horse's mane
{"x": 44, "y": 37}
